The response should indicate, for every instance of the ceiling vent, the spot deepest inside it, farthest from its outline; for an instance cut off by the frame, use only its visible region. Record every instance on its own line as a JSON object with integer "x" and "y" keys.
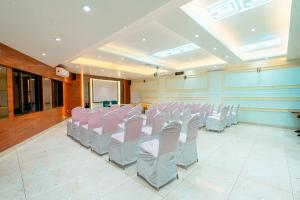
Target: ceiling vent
{"x": 179, "y": 73}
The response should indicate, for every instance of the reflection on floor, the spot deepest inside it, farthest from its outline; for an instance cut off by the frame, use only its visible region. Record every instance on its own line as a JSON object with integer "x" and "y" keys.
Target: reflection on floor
{"x": 244, "y": 162}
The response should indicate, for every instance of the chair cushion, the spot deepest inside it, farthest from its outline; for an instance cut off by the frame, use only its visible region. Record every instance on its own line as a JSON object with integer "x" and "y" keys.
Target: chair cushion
{"x": 85, "y": 126}
{"x": 121, "y": 125}
{"x": 76, "y": 123}
{"x": 214, "y": 117}
{"x": 147, "y": 130}
{"x": 98, "y": 130}
{"x": 182, "y": 137}
{"x": 151, "y": 147}
{"x": 118, "y": 136}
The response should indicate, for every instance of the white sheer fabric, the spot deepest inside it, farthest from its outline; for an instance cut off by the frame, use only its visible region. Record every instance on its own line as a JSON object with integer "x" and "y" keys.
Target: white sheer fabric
{"x": 123, "y": 148}
{"x": 157, "y": 161}
{"x": 187, "y": 146}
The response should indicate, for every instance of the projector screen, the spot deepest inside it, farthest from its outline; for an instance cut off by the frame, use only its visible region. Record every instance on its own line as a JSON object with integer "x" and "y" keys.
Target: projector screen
{"x": 104, "y": 90}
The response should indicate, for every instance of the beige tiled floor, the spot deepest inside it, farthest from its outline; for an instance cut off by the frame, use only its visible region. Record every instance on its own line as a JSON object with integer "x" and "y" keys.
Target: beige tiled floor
{"x": 245, "y": 162}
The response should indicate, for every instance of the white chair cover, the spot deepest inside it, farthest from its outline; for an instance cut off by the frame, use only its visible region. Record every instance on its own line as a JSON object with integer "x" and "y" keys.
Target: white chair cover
{"x": 217, "y": 123}
{"x": 94, "y": 121}
{"x": 123, "y": 148}
{"x": 150, "y": 132}
{"x": 235, "y": 113}
{"x": 100, "y": 137}
{"x": 73, "y": 120}
{"x": 82, "y": 120}
{"x": 187, "y": 146}
{"x": 157, "y": 161}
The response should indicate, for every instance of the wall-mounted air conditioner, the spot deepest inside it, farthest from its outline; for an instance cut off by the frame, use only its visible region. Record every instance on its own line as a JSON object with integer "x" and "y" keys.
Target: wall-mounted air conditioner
{"x": 62, "y": 72}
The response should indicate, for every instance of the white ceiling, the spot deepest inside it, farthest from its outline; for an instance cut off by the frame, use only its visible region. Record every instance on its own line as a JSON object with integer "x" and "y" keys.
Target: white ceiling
{"x": 118, "y": 38}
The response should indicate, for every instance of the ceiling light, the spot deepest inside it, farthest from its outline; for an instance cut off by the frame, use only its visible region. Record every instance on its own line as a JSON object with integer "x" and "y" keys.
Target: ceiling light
{"x": 253, "y": 29}
{"x": 196, "y": 35}
{"x": 144, "y": 39}
{"x": 58, "y": 39}
{"x": 226, "y": 56}
{"x": 226, "y": 8}
{"x": 263, "y": 44}
{"x": 76, "y": 66}
{"x": 44, "y": 54}
{"x": 86, "y": 8}
{"x": 99, "y": 57}
{"x": 177, "y": 50}
{"x": 215, "y": 48}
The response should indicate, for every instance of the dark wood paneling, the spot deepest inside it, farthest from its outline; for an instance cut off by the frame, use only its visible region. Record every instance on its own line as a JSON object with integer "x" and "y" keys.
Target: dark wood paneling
{"x": 126, "y": 91}
{"x": 17, "y": 129}
{"x": 12, "y": 58}
{"x": 77, "y": 91}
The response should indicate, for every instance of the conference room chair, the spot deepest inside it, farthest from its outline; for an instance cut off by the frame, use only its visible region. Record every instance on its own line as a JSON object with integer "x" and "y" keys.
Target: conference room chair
{"x": 100, "y": 137}
{"x": 185, "y": 117}
{"x": 94, "y": 121}
{"x": 83, "y": 120}
{"x": 114, "y": 102}
{"x": 123, "y": 149}
{"x": 235, "y": 115}
{"x": 106, "y": 103}
{"x": 217, "y": 122}
{"x": 74, "y": 119}
{"x": 187, "y": 146}
{"x": 149, "y": 116}
{"x": 151, "y": 131}
{"x": 229, "y": 117}
{"x": 156, "y": 161}
{"x": 175, "y": 115}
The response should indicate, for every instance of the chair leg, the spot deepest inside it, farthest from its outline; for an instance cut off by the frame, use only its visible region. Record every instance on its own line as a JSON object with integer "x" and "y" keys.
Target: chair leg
{"x": 177, "y": 176}
{"x": 108, "y": 159}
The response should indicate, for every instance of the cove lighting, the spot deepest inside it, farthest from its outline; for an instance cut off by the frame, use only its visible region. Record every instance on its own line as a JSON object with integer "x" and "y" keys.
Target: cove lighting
{"x": 177, "y": 50}
{"x": 226, "y": 8}
{"x": 263, "y": 44}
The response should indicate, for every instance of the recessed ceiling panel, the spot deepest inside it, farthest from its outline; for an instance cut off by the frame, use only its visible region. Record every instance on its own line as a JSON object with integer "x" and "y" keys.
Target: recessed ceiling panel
{"x": 251, "y": 29}
{"x": 155, "y": 44}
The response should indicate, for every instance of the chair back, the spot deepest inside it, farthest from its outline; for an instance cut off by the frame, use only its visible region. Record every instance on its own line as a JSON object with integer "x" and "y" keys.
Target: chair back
{"x": 95, "y": 118}
{"x": 75, "y": 113}
{"x": 192, "y": 127}
{"x": 150, "y": 116}
{"x": 175, "y": 115}
{"x": 110, "y": 122}
{"x": 224, "y": 112}
{"x": 133, "y": 128}
{"x": 168, "y": 139}
{"x": 84, "y": 116}
{"x": 158, "y": 122}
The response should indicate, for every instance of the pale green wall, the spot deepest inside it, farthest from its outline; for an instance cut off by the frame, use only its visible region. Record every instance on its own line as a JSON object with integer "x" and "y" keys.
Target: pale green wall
{"x": 264, "y": 97}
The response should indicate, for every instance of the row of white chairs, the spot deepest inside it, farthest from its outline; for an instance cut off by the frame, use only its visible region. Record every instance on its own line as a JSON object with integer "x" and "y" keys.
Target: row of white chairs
{"x": 215, "y": 119}
{"x": 156, "y": 141}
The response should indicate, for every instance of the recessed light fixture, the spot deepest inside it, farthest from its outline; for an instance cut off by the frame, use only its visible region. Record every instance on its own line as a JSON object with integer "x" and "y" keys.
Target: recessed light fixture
{"x": 99, "y": 57}
{"x": 196, "y": 35}
{"x": 86, "y": 8}
{"x": 144, "y": 39}
{"x": 177, "y": 50}
{"x": 226, "y": 56}
{"x": 253, "y": 29}
{"x": 57, "y": 39}
{"x": 215, "y": 48}
{"x": 76, "y": 66}
{"x": 44, "y": 54}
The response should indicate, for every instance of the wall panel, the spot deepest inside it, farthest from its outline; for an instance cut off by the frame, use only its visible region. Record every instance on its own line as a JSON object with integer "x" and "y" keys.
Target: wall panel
{"x": 265, "y": 97}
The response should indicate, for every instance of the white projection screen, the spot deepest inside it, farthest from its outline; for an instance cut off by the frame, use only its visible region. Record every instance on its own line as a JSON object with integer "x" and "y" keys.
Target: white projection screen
{"x": 105, "y": 90}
